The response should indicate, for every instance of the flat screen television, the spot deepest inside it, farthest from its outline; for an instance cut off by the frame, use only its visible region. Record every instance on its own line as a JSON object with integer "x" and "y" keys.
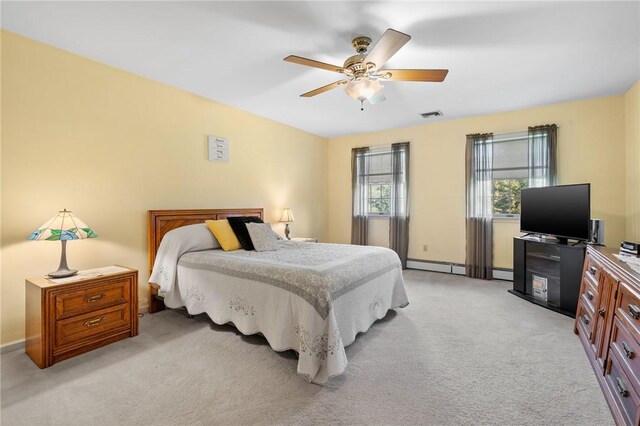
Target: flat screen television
{"x": 562, "y": 211}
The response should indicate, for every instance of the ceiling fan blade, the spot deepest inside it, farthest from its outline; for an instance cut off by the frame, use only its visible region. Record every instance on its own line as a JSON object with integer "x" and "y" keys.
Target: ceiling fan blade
{"x": 416, "y": 75}
{"x": 311, "y": 63}
{"x": 377, "y": 98}
{"x": 390, "y": 42}
{"x": 323, "y": 89}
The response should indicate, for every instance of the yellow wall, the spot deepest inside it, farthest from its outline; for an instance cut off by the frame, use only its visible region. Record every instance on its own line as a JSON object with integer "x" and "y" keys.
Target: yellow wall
{"x": 632, "y": 132}
{"x": 591, "y": 148}
{"x": 110, "y": 145}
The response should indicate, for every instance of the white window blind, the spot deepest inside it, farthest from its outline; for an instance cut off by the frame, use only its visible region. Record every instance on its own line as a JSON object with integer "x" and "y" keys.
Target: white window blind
{"x": 378, "y": 178}
{"x": 510, "y": 172}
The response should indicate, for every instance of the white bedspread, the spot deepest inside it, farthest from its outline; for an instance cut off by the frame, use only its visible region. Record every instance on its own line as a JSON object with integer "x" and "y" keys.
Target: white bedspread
{"x": 309, "y": 297}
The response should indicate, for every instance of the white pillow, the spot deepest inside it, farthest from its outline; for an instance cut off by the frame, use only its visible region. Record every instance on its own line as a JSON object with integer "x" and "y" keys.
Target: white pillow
{"x": 174, "y": 244}
{"x": 263, "y": 237}
{"x": 190, "y": 238}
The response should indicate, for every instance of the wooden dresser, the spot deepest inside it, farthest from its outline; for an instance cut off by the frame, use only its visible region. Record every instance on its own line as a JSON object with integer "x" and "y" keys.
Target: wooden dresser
{"x": 608, "y": 324}
{"x": 65, "y": 320}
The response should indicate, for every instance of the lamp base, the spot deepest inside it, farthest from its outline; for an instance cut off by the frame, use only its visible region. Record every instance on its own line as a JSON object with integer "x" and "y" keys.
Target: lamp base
{"x": 62, "y": 273}
{"x": 63, "y": 270}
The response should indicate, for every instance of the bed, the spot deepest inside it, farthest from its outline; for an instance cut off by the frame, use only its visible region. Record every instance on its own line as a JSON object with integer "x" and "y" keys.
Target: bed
{"x": 313, "y": 298}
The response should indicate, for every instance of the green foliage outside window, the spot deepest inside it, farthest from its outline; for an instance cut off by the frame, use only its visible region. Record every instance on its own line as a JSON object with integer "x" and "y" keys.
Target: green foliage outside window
{"x": 380, "y": 198}
{"x": 506, "y": 195}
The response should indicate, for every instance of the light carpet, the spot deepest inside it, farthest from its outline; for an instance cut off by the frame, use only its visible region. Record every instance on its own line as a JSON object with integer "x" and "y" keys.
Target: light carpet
{"x": 463, "y": 352}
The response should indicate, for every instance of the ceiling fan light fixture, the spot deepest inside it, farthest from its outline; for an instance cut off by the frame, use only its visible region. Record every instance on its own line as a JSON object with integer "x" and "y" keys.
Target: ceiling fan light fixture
{"x": 363, "y": 88}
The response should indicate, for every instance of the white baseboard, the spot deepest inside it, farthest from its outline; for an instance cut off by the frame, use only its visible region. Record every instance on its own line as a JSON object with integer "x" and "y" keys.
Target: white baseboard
{"x": 12, "y": 346}
{"x": 429, "y": 266}
{"x": 458, "y": 270}
{"x": 500, "y": 274}
{"x": 452, "y": 268}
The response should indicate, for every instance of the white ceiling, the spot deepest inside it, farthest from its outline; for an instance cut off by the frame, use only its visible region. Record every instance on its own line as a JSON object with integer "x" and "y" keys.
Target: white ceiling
{"x": 501, "y": 55}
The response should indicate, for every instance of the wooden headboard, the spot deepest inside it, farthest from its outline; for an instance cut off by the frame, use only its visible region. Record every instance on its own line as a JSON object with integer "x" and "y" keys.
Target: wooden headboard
{"x": 159, "y": 222}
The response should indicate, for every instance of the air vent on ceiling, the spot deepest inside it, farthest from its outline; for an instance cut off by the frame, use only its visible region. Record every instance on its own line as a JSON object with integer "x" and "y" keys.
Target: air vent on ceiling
{"x": 436, "y": 113}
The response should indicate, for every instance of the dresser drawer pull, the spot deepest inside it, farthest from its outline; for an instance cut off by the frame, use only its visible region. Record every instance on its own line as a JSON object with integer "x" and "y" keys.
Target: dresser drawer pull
{"x": 627, "y": 350}
{"x": 94, "y": 298}
{"x": 634, "y": 311}
{"x": 602, "y": 311}
{"x": 589, "y": 295}
{"x": 622, "y": 390}
{"x": 592, "y": 270}
{"x": 93, "y": 322}
{"x": 584, "y": 319}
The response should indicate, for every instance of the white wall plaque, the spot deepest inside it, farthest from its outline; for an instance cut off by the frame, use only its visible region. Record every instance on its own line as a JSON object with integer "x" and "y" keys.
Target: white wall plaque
{"x": 218, "y": 149}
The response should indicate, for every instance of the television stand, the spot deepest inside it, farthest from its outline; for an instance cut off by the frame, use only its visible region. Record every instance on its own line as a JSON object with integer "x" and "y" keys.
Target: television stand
{"x": 562, "y": 240}
{"x": 548, "y": 273}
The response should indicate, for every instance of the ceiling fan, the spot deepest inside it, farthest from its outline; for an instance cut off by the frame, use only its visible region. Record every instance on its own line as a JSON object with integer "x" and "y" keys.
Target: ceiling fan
{"x": 363, "y": 72}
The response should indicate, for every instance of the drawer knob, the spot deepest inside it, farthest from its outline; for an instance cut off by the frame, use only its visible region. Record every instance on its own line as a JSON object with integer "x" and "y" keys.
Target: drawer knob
{"x": 584, "y": 319}
{"x": 94, "y": 298}
{"x": 627, "y": 350}
{"x": 93, "y": 322}
{"x": 634, "y": 311}
{"x": 589, "y": 295}
{"x": 602, "y": 311}
{"x": 592, "y": 270}
{"x": 622, "y": 390}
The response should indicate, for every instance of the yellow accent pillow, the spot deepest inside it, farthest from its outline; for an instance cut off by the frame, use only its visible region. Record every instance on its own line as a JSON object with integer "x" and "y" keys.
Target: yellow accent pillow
{"x": 224, "y": 234}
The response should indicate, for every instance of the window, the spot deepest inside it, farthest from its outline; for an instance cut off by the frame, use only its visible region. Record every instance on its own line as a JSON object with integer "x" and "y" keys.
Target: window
{"x": 379, "y": 185}
{"x": 510, "y": 173}
{"x": 378, "y": 181}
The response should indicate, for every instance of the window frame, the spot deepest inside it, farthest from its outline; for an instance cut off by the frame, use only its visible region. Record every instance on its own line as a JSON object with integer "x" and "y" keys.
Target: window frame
{"x": 383, "y": 151}
{"x": 509, "y": 138}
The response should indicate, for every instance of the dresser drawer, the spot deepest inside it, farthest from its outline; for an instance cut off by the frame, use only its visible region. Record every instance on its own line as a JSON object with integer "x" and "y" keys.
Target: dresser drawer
{"x": 625, "y": 397}
{"x": 590, "y": 293}
{"x": 627, "y": 350}
{"x": 628, "y": 308}
{"x": 93, "y": 298}
{"x": 585, "y": 320}
{"x": 592, "y": 268}
{"x": 81, "y": 327}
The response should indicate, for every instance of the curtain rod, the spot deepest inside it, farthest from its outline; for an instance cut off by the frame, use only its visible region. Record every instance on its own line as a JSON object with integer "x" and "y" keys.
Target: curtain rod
{"x": 517, "y": 132}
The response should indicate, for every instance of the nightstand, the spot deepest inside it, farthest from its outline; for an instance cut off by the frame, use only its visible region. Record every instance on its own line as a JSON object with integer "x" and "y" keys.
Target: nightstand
{"x": 306, "y": 239}
{"x": 70, "y": 316}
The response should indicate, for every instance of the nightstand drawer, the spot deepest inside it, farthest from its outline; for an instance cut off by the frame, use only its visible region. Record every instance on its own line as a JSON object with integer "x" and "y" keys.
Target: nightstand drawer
{"x": 110, "y": 293}
{"x": 85, "y": 326}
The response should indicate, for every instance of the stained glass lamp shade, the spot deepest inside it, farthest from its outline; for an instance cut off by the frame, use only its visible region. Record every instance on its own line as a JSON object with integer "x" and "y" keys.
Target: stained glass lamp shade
{"x": 63, "y": 227}
{"x": 287, "y": 217}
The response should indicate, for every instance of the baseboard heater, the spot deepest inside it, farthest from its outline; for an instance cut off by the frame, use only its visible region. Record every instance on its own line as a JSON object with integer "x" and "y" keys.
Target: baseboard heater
{"x": 454, "y": 268}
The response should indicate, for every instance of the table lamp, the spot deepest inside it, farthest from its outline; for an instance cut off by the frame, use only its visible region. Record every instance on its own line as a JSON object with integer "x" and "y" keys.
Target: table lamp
{"x": 63, "y": 227}
{"x": 287, "y": 217}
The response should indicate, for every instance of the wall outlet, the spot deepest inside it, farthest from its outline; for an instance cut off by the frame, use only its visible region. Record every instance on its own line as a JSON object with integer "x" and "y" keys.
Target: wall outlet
{"x": 425, "y": 247}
